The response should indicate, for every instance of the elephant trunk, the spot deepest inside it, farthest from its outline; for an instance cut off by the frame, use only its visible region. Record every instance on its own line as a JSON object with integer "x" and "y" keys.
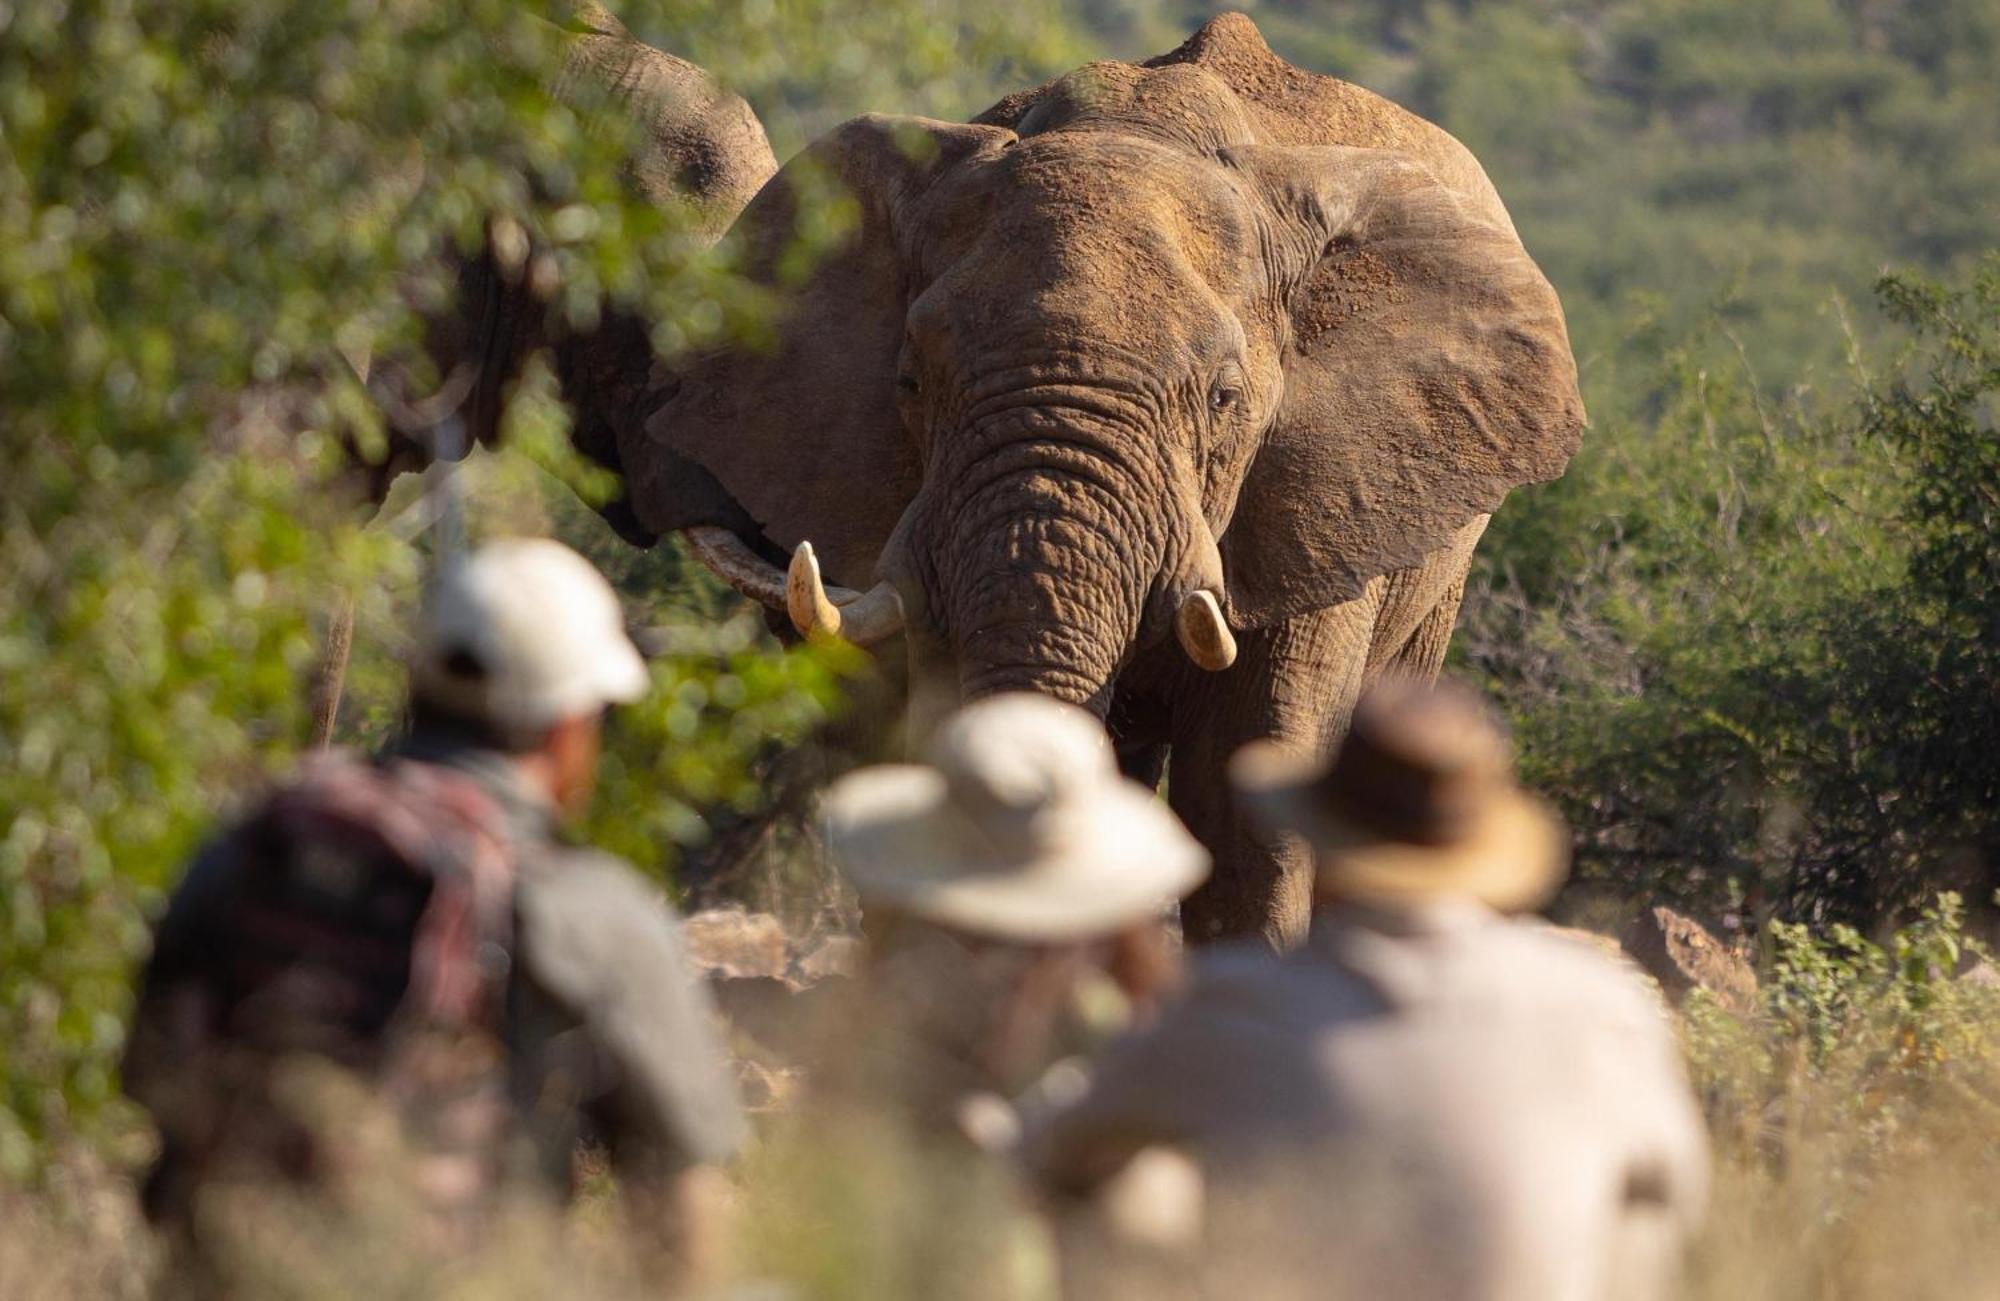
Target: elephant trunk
{"x": 1053, "y": 553}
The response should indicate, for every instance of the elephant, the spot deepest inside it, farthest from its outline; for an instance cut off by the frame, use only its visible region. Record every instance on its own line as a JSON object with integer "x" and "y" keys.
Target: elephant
{"x": 1180, "y": 390}
{"x": 702, "y": 154}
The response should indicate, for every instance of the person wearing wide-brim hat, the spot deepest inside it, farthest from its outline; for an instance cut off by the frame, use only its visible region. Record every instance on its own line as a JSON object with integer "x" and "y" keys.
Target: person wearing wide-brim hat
{"x": 1018, "y": 826}
{"x": 1430, "y": 1098}
{"x": 1014, "y": 889}
{"x": 1419, "y": 803}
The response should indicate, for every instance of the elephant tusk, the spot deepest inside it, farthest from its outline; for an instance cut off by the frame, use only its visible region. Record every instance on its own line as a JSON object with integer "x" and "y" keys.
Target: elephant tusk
{"x": 863, "y": 618}
{"x": 812, "y": 611}
{"x": 1203, "y": 633}
{"x": 730, "y": 558}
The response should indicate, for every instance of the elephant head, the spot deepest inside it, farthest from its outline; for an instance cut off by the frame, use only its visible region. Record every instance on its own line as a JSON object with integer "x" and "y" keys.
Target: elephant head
{"x": 701, "y": 154}
{"x": 1151, "y": 346}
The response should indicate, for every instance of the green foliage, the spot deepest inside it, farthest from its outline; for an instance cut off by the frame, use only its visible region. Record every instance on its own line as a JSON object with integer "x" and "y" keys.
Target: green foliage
{"x": 154, "y": 647}
{"x": 808, "y": 65}
{"x": 1747, "y": 641}
{"x": 1828, "y": 993}
{"x": 214, "y": 215}
{"x": 724, "y": 703}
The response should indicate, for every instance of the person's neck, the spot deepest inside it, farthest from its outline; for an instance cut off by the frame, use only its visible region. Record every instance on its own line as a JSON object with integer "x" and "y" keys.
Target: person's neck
{"x": 536, "y": 771}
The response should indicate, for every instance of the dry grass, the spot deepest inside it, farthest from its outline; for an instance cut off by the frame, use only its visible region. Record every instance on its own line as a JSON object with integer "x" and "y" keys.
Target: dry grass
{"x": 1842, "y": 1187}
{"x": 1856, "y": 1121}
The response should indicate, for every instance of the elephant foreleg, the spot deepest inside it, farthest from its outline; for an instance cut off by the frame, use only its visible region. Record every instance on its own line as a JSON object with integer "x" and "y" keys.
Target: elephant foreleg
{"x": 1422, "y": 656}
{"x": 1296, "y": 682}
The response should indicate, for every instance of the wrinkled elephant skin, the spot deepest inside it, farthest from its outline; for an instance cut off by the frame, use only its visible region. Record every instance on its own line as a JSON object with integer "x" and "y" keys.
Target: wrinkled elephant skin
{"x": 1213, "y": 324}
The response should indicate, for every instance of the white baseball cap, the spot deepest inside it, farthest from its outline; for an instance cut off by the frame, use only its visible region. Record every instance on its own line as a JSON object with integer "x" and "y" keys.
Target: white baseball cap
{"x": 523, "y": 634}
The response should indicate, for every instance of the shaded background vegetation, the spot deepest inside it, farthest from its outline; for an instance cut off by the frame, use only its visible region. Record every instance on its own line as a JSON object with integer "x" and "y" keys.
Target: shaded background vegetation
{"x": 1747, "y": 640}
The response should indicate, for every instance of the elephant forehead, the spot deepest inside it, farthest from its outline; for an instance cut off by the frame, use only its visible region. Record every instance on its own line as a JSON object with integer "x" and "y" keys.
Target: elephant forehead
{"x": 1075, "y": 209}
{"x": 1180, "y": 105}
{"x": 1116, "y": 292}
{"x": 1080, "y": 327}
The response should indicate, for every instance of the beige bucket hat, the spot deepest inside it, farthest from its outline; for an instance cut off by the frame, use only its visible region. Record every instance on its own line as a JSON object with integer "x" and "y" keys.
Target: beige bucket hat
{"x": 1419, "y": 802}
{"x": 1018, "y": 826}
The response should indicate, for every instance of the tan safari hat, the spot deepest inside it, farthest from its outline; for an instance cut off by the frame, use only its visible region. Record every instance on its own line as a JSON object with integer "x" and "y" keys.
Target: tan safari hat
{"x": 523, "y": 634}
{"x": 1018, "y": 826}
{"x": 1419, "y": 802}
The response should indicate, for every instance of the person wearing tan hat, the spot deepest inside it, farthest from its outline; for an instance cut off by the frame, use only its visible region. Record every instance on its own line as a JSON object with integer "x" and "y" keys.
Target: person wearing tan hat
{"x": 1431, "y": 1098}
{"x": 1015, "y": 891}
{"x": 1000, "y": 881}
{"x": 413, "y": 922}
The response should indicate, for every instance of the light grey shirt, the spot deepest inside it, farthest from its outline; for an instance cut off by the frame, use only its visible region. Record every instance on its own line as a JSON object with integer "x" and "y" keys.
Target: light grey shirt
{"x": 1430, "y": 1103}
{"x": 614, "y": 1038}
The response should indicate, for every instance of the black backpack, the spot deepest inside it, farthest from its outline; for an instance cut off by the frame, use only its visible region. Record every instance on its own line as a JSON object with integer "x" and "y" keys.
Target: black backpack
{"x": 368, "y": 923}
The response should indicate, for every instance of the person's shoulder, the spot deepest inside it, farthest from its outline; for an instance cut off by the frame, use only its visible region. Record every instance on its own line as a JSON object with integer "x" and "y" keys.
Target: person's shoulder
{"x": 587, "y": 916}
{"x": 1247, "y": 980}
{"x": 575, "y": 876}
{"x": 605, "y": 943}
{"x": 1234, "y": 969}
{"x": 1578, "y": 968}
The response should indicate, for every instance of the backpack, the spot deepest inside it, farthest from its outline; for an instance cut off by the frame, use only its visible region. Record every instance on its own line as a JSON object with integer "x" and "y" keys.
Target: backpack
{"x": 368, "y": 925}
{"x": 367, "y": 892}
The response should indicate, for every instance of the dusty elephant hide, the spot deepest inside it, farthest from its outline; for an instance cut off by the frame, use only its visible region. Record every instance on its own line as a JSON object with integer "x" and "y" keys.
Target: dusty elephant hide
{"x": 1209, "y": 350}
{"x": 1212, "y": 324}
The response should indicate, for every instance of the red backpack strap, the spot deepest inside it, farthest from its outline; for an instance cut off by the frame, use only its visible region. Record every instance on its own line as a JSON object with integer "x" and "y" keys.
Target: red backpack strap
{"x": 460, "y": 957}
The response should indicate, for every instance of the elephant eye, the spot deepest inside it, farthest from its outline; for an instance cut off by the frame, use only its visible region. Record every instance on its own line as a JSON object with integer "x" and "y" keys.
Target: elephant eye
{"x": 1225, "y": 397}
{"x": 908, "y": 385}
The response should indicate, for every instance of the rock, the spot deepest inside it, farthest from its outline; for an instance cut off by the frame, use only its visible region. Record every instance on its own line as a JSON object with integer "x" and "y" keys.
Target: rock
{"x": 730, "y": 943}
{"x": 1984, "y": 975}
{"x": 1681, "y": 954}
{"x": 837, "y": 955}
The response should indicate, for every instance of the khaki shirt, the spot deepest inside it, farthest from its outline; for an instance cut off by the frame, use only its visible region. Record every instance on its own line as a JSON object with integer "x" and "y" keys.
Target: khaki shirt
{"x": 1435, "y": 1103}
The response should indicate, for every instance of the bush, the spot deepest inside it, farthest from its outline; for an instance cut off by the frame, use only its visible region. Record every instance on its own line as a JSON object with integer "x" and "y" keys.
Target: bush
{"x": 1855, "y": 1118}
{"x": 1748, "y": 644}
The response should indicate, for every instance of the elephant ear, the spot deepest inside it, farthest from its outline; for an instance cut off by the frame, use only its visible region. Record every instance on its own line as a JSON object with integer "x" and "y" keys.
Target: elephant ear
{"x": 1428, "y": 373}
{"x": 804, "y": 431}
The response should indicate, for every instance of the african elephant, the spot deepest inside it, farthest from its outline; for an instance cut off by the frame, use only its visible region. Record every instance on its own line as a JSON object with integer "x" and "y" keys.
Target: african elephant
{"x": 1180, "y": 390}
{"x": 1209, "y": 350}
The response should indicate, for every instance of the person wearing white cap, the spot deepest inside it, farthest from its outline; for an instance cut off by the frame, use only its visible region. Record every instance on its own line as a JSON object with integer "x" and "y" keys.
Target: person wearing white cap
{"x": 369, "y": 910}
{"x": 1430, "y": 1099}
{"x": 524, "y": 637}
